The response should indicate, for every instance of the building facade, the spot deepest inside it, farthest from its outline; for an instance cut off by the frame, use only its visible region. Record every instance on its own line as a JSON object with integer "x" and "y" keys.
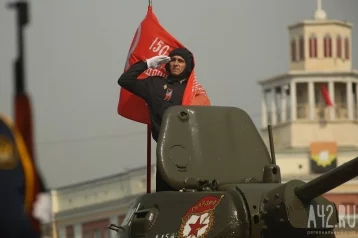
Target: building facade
{"x": 86, "y": 209}
{"x": 313, "y": 110}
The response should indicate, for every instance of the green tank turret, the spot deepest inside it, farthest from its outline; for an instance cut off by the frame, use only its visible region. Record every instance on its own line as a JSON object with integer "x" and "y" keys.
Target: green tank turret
{"x": 228, "y": 185}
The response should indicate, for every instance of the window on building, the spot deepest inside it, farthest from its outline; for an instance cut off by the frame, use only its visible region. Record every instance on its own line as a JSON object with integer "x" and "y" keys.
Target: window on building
{"x": 313, "y": 47}
{"x": 340, "y": 97}
{"x": 318, "y": 99}
{"x": 339, "y": 47}
{"x": 340, "y": 93}
{"x": 302, "y": 48}
{"x": 293, "y": 50}
{"x": 97, "y": 234}
{"x": 108, "y": 233}
{"x": 88, "y": 234}
{"x": 96, "y": 228}
{"x": 327, "y": 44}
{"x": 70, "y": 232}
{"x": 346, "y": 48}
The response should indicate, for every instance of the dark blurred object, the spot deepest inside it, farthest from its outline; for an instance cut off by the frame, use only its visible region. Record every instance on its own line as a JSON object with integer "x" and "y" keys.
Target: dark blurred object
{"x": 23, "y": 112}
{"x": 21, "y": 8}
{"x": 15, "y": 174}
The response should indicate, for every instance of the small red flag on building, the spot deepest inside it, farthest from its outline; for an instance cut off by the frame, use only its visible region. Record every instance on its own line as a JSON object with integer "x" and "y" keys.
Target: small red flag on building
{"x": 326, "y": 96}
{"x": 152, "y": 39}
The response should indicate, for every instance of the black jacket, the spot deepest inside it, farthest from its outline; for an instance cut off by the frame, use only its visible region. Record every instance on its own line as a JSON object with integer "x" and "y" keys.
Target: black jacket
{"x": 153, "y": 90}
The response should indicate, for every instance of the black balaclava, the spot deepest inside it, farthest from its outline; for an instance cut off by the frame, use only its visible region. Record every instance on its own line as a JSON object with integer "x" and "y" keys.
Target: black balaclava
{"x": 189, "y": 60}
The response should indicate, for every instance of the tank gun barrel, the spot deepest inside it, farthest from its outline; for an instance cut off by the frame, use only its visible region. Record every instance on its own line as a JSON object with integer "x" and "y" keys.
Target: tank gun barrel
{"x": 328, "y": 181}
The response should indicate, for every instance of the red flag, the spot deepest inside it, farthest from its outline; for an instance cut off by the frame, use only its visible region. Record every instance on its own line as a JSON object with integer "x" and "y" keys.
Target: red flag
{"x": 152, "y": 39}
{"x": 326, "y": 96}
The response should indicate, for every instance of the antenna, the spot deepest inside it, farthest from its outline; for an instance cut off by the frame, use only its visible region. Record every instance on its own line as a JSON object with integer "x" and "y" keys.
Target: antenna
{"x": 319, "y": 4}
{"x": 272, "y": 148}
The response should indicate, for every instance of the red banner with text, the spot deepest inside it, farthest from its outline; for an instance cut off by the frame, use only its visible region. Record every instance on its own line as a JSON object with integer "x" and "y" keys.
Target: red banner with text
{"x": 150, "y": 40}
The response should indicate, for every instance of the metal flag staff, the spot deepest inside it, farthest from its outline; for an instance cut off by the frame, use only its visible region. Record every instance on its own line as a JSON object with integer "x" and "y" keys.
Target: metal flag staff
{"x": 149, "y": 146}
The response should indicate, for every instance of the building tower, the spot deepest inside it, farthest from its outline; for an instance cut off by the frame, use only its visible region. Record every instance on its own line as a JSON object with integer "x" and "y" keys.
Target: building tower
{"x": 316, "y": 101}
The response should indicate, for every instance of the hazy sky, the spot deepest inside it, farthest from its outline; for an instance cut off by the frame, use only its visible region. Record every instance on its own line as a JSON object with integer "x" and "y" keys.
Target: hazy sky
{"x": 76, "y": 51}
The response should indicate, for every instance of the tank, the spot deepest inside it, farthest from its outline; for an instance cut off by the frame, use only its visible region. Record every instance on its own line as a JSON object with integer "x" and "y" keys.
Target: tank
{"x": 227, "y": 184}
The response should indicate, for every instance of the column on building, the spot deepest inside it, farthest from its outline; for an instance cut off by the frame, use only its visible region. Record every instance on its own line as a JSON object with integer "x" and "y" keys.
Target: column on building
{"x": 293, "y": 100}
{"x": 78, "y": 230}
{"x": 332, "y": 111}
{"x": 311, "y": 101}
{"x": 350, "y": 100}
{"x": 273, "y": 106}
{"x": 283, "y": 104}
{"x": 279, "y": 100}
{"x": 356, "y": 95}
{"x": 264, "y": 110}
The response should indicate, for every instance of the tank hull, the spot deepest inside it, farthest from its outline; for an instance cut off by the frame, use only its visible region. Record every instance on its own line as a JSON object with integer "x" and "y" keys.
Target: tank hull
{"x": 188, "y": 214}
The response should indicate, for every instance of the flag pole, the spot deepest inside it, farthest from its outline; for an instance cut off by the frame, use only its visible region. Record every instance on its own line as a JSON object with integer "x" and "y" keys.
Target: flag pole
{"x": 149, "y": 146}
{"x": 149, "y": 152}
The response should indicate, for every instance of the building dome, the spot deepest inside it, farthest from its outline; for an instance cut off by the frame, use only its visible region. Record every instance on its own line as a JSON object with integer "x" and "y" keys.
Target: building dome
{"x": 320, "y": 14}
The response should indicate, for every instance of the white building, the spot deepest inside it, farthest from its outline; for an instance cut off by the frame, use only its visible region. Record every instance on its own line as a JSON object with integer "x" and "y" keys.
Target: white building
{"x": 85, "y": 209}
{"x": 294, "y": 102}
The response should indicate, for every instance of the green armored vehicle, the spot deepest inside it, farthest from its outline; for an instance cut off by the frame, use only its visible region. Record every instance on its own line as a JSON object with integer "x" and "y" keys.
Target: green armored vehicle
{"x": 228, "y": 185}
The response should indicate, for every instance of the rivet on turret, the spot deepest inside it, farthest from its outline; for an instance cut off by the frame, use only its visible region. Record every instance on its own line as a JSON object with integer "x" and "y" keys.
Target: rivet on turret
{"x": 277, "y": 195}
{"x": 278, "y": 207}
{"x": 281, "y": 220}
